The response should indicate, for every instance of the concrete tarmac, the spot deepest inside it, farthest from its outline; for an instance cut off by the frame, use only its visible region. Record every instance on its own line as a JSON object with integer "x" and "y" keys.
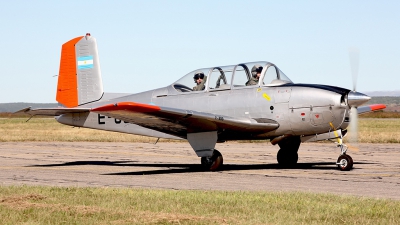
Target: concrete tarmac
{"x": 247, "y": 167}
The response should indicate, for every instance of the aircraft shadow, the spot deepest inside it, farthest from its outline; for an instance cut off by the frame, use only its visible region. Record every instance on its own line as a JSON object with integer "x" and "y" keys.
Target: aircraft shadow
{"x": 193, "y": 168}
{"x": 83, "y": 163}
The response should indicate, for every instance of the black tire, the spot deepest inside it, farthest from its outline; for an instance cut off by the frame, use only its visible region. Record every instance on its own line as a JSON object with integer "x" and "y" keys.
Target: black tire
{"x": 345, "y": 163}
{"x": 214, "y": 162}
{"x": 287, "y": 158}
{"x": 351, "y": 160}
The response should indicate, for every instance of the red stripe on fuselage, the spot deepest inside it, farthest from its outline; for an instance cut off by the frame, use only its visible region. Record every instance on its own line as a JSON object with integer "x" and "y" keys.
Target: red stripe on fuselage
{"x": 130, "y": 106}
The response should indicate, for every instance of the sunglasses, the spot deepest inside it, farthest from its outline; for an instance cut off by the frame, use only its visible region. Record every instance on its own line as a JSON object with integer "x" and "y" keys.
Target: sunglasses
{"x": 196, "y": 77}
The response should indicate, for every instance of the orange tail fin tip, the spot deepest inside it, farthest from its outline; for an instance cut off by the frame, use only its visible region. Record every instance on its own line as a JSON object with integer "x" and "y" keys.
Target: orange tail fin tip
{"x": 67, "y": 93}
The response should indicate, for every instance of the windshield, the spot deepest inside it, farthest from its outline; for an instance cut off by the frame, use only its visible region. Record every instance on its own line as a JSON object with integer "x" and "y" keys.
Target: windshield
{"x": 274, "y": 76}
{"x": 282, "y": 76}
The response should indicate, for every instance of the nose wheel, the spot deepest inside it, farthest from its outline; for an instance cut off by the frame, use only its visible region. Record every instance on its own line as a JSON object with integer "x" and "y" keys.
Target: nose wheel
{"x": 214, "y": 162}
{"x": 345, "y": 162}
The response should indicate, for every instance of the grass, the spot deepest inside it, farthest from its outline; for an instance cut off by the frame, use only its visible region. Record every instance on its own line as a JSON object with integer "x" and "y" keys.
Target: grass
{"x": 60, "y": 205}
{"x": 48, "y": 129}
{"x": 371, "y": 130}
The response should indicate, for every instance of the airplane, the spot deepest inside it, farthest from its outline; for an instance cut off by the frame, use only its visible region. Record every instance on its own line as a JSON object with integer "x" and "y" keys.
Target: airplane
{"x": 224, "y": 109}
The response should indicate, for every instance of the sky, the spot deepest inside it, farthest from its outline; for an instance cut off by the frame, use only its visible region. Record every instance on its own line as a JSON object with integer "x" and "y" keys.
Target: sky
{"x": 145, "y": 45}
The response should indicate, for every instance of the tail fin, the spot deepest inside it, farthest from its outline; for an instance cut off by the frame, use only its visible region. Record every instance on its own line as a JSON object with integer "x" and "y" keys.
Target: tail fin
{"x": 79, "y": 78}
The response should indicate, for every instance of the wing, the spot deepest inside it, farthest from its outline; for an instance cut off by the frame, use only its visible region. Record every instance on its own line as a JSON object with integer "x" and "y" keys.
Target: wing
{"x": 370, "y": 108}
{"x": 51, "y": 111}
{"x": 179, "y": 122}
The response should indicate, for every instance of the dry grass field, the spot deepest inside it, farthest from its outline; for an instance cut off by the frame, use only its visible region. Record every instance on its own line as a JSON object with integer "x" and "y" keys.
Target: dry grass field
{"x": 371, "y": 130}
{"x": 55, "y": 205}
{"x": 48, "y": 129}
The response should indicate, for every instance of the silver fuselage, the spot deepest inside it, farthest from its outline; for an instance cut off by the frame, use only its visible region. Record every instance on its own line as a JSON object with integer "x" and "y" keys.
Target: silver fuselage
{"x": 299, "y": 109}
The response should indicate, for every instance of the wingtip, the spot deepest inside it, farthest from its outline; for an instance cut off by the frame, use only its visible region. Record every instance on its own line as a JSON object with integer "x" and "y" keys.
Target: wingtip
{"x": 377, "y": 107}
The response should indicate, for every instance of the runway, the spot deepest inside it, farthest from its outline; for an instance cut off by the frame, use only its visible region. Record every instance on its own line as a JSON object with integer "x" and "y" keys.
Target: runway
{"x": 248, "y": 167}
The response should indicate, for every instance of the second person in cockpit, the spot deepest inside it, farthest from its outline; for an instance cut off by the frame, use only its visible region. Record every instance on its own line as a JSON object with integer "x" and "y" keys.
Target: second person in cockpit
{"x": 255, "y": 75}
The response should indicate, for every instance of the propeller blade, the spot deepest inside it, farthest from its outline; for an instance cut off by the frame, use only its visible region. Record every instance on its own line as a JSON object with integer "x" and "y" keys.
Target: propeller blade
{"x": 353, "y": 131}
{"x": 354, "y": 55}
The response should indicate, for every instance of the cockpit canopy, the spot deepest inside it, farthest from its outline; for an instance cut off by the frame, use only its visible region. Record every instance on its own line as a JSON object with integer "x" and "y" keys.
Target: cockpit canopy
{"x": 234, "y": 76}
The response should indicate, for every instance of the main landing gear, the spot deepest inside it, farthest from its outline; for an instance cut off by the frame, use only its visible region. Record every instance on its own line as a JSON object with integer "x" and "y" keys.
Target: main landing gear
{"x": 344, "y": 162}
{"x": 287, "y": 155}
{"x": 214, "y": 162}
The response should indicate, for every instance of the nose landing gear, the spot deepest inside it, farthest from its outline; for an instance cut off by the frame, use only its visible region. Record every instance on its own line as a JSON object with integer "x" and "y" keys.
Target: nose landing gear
{"x": 344, "y": 162}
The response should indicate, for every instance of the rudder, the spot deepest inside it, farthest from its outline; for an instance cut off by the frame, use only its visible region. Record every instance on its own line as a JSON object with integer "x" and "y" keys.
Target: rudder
{"x": 79, "y": 78}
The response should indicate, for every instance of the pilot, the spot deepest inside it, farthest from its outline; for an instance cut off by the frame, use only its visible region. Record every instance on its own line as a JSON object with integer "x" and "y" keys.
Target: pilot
{"x": 200, "y": 81}
{"x": 256, "y": 73}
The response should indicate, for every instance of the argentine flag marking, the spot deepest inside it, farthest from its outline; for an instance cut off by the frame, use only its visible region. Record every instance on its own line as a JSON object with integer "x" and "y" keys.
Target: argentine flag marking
{"x": 85, "y": 62}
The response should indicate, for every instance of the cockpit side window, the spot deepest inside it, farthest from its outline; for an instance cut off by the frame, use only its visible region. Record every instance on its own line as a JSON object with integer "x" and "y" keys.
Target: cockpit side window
{"x": 241, "y": 76}
{"x": 220, "y": 78}
{"x": 249, "y": 74}
{"x": 270, "y": 75}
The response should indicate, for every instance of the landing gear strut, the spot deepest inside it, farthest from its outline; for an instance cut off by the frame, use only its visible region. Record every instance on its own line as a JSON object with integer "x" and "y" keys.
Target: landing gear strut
{"x": 214, "y": 162}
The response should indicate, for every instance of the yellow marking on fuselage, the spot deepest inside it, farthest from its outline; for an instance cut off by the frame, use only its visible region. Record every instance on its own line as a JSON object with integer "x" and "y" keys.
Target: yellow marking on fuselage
{"x": 266, "y": 96}
{"x": 259, "y": 89}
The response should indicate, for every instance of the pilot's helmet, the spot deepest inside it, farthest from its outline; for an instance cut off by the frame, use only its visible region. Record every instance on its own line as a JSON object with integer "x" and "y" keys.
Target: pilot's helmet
{"x": 256, "y": 69}
{"x": 198, "y": 75}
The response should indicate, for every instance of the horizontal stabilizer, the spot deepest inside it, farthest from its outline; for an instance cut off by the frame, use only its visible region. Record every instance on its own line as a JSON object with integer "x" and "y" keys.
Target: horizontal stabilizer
{"x": 180, "y": 121}
{"x": 51, "y": 111}
{"x": 370, "y": 108}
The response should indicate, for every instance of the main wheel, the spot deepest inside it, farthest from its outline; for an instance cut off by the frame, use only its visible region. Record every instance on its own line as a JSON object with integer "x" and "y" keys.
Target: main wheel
{"x": 214, "y": 162}
{"x": 287, "y": 158}
{"x": 345, "y": 163}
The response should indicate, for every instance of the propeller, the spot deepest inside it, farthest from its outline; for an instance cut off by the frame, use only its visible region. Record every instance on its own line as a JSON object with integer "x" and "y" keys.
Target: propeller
{"x": 354, "y": 55}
